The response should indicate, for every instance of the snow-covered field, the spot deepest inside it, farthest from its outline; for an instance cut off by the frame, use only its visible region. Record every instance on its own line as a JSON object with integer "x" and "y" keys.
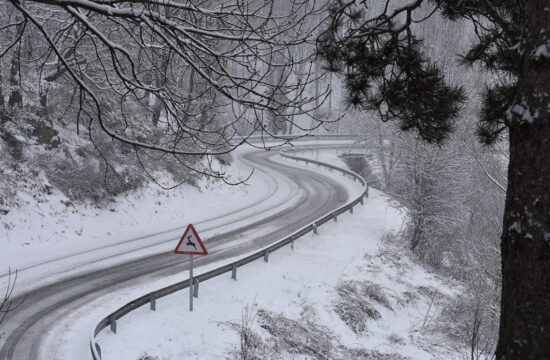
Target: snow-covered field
{"x": 297, "y": 305}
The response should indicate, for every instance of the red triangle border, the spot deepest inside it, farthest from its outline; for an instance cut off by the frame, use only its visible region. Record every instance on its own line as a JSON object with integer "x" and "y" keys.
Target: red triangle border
{"x": 191, "y": 228}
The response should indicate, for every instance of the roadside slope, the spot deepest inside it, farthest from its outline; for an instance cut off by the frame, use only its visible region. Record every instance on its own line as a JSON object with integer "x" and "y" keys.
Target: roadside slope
{"x": 347, "y": 293}
{"x": 351, "y": 292}
{"x": 31, "y": 331}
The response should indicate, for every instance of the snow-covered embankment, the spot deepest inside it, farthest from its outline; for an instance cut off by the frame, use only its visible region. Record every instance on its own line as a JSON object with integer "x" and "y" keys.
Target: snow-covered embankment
{"x": 348, "y": 293}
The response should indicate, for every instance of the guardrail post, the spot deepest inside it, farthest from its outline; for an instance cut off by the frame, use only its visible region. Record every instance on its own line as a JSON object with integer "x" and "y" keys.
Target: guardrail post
{"x": 234, "y": 272}
{"x": 292, "y": 243}
{"x": 335, "y": 218}
{"x": 315, "y": 229}
{"x": 351, "y": 210}
{"x": 367, "y": 192}
{"x": 113, "y": 325}
{"x": 266, "y": 256}
{"x": 153, "y": 304}
{"x": 362, "y": 202}
{"x": 196, "y": 288}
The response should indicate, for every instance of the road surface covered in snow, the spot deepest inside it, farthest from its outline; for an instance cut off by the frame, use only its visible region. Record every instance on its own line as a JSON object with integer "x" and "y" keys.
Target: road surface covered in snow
{"x": 301, "y": 195}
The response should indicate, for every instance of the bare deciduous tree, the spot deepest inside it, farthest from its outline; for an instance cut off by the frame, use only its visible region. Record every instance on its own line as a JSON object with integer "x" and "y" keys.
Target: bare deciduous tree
{"x": 197, "y": 70}
{"x": 7, "y": 303}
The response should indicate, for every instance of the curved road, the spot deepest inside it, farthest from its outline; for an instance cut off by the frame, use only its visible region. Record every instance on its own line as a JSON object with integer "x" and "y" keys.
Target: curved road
{"x": 45, "y": 306}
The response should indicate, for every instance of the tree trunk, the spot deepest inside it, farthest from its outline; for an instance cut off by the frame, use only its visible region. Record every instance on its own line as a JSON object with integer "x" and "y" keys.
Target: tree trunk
{"x": 1, "y": 94}
{"x": 525, "y": 315}
{"x": 157, "y": 109}
{"x": 160, "y": 81}
{"x": 43, "y": 97}
{"x": 15, "y": 98}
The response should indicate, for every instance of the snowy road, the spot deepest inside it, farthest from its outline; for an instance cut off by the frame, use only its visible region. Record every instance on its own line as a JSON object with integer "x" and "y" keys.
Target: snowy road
{"x": 308, "y": 195}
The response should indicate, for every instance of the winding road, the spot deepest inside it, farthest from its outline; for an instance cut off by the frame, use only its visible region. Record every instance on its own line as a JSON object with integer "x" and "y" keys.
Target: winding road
{"x": 309, "y": 196}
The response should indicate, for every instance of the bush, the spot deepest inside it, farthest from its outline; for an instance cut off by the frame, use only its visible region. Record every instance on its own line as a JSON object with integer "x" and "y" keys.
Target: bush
{"x": 298, "y": 337}
{"x": 148, "y": 357}
{"x": 355, "y": 303}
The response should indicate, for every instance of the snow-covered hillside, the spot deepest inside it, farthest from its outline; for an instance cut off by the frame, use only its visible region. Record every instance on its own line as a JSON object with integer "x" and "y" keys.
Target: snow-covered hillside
{"x": 351, "y": 292}
{"x": 44, "y": 235}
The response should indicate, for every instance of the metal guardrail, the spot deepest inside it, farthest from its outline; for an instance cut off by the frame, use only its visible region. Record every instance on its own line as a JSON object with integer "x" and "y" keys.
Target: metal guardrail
{"x": 150, "y": 298}
{"x": 296, "y": 137}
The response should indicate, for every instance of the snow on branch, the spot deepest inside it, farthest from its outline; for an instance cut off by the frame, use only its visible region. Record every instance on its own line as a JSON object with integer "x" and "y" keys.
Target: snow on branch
{"x": 203, "y": 72}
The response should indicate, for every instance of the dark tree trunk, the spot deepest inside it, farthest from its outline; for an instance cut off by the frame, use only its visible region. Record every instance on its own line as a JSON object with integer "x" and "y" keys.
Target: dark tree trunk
{"x": 160, "y": 81}
{"x": 157, "y": 109}
{"x": 1, "y": 94}
{"x": 525, "y": 319}
{"x": 15, "y": 99}
{"x": 190, "y": 103}
{"x": 43, "y": 97}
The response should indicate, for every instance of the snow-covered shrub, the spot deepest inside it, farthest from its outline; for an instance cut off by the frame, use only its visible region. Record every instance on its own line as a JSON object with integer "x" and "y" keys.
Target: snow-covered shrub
{"x": 251, "y": 345}
{"x": 359, "y": 164}
{"x": 7, "y": 188}
{"x": 301, "y": 338}
{"x": 224, "y": 159}
{"x": 356, "y": 303}
{"x": 148, "y": 357}
{"x": 364, "y": 354}
{"x": 472, "y": 321}
{"x": 12, "y": 137}
{"x": 297, "y": 336}
{"x": 85, "y": 177}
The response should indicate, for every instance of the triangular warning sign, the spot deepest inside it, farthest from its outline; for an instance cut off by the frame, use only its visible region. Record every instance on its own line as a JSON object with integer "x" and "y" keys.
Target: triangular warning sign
{"x": 191, "y": 243}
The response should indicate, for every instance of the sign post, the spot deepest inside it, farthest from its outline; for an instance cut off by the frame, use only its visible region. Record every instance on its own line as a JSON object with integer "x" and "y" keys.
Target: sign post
{"x": 191, "y": 244}
{"x": 191, "y": 283}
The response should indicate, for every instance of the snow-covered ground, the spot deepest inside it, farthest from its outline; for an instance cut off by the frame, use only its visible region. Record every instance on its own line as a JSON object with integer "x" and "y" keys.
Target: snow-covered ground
{"x": 347, "y": 293}
{"x": 300, "y": 290}
{"x": 68, "y": 338}
{"x": 41, "y": 238}
{"x": 38, "y": 237}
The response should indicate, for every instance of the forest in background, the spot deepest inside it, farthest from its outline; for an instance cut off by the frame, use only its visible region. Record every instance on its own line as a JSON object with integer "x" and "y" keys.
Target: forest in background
{"x": 96, "y": 106}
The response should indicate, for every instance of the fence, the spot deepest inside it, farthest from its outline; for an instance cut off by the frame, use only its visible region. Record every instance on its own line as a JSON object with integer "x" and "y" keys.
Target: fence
{"x": 150, "y": 298}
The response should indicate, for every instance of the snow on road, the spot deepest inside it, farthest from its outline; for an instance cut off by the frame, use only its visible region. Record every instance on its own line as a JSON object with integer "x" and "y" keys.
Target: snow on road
{"x": 44, "y": 238}
{"x": 308, "y": 280}
{"x": 41, "y": 239}
{"x": 301, "y": 284}
{"x": 67, "y": 337}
